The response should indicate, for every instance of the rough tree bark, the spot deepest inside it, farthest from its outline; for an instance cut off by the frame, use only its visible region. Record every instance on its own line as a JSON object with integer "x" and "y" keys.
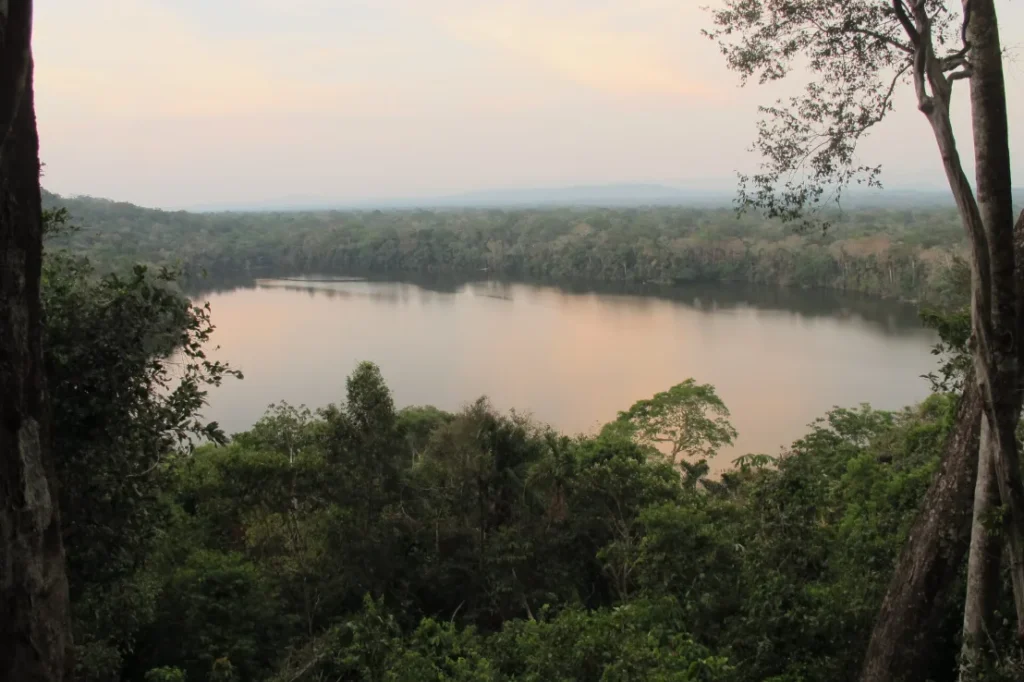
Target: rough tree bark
{"x": 907, "y": 618}
{"x": 935, "y": 548}
{"x": 983, "y": 562}
{"x": 932, "y": 556}
{"x": 34, "y": 626}
{"x": 998, "y": 348}
{"x": 983, "y": 565}
{"x": 860, "y": 52}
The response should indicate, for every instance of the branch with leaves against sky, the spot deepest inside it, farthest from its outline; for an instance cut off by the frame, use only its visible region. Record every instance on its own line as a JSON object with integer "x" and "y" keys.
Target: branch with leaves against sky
{"x": 859, "y": 52}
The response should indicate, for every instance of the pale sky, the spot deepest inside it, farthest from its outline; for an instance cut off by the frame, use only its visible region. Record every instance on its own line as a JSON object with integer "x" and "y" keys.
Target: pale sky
{"x": 177, "y": 103}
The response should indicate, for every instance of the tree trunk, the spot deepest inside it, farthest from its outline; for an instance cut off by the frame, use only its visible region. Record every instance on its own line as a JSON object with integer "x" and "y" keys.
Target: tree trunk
{"x": 935, "y": 548}
{"x": 983, "y": 569}
{"x": 34, "y": 626}
{"x": 901, "y": 641}
{"x": 997, "y": 350}
{"x": 906, "y": 622}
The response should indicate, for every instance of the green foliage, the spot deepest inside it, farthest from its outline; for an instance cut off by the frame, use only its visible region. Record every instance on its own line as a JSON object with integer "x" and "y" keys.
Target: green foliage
{"x": 637, "y": 641}
{"x": 642, "y": 640}
{"x": 504, "y": 551}
{"x": 903, "y": 253}
{"x": 689, "y": 418}
{"x": 165, "y": 675}
{"x": 217, "y": 613}
{"x": 954, "y": 328}
{"x": 284, "y": 429}
{"x": 809, "y": 141}
{"x": 416, "y": 424}
{"x": 128, "y": 374}
{"x": 370, "y": 645}
{"x": 361, "y": 542}
{"x": 57, "y": 223}
{"x": 753, "y": 461}
{"x": 223, "y": 671}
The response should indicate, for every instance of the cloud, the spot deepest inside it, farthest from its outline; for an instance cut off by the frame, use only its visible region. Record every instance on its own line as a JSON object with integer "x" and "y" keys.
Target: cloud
{"x": 174, "y": 102}
{"x": 150, "y": 59}
{"x": 145, "y": 59}
{"x": 591, "y": 47}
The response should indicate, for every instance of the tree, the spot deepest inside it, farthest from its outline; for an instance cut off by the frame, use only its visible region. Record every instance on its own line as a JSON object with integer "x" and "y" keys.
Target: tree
{"x": 656, "y": 244}
{"x": 363, "y": 440}
{"x": 217, "y": 606}
{"x": 284, "y": 428}
{"x": 128, "y": 374}
{"x": 861, "y": 51}
{"x": 34, "y": 631}
{"x": 689, "y": 418}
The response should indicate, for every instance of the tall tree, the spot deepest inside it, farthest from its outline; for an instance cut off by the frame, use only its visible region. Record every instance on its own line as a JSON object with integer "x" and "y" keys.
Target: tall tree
{"x": 34, "y": 632}
{"x": 860, "y": 52}
{"x": 363, "y": 441}
{"x": 689, "y": 420}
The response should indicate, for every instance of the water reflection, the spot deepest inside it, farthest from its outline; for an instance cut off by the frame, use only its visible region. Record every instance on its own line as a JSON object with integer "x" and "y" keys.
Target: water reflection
{"x": 889, "y": 317}
{"x": 573, "y": 356}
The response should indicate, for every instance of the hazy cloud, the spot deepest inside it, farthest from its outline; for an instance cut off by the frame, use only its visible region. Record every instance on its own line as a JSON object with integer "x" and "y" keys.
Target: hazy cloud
{"x": 592, "y": 48}
{"x": 183, "y": 102}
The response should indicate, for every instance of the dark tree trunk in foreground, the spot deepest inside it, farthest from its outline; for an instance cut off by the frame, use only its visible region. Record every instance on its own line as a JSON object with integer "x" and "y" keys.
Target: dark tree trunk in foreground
{"x": 906, "y": 621}
{"x": 935, "y": 549}
{"x": 861, "y": 52}
{"x": 34, "y": 630}
{"x": 999, "y": 348}
{"x": 931, "y": 557}
{"x": 984, "y": 562}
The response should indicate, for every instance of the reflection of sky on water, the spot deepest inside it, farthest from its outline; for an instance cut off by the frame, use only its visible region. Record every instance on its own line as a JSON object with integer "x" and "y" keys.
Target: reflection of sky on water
{"x": 571, "y": 358}
{"x": 890, "y": 317}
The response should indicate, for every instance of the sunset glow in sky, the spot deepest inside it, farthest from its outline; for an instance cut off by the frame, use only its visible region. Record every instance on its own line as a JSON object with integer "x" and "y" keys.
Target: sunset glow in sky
{"x": 177, "y": 103}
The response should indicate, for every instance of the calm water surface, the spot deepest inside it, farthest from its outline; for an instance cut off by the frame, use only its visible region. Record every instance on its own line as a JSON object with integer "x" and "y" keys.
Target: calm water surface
{"x": 572, "y": 357}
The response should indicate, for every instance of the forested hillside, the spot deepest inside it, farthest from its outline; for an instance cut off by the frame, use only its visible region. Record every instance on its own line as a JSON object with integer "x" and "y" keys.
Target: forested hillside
{"x": 363, "y": 542}
{"x": 366, "y": 541}
{"x": 905, "y": 253}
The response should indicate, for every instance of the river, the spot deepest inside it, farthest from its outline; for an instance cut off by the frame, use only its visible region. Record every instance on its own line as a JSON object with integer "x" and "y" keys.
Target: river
{"x": 571, "y": 356}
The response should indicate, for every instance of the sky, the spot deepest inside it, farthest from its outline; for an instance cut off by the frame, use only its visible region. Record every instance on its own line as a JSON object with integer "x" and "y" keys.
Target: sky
{"x": 181, "y": 103}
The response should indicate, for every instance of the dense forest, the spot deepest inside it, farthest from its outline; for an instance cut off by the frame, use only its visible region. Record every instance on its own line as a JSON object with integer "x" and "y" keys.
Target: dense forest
{"x": 902, "y": 253}
{"x": 360, "y": 541}
{"x": 365, "y": 542}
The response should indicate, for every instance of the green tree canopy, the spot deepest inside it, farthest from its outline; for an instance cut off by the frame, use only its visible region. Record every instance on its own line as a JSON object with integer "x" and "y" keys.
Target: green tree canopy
{"x": 689, "y": 419}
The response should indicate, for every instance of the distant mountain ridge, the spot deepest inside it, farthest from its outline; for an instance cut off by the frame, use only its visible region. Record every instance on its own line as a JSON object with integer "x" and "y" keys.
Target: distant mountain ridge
{"x": 612, "y": 195}
{"x": 592, "y": 196}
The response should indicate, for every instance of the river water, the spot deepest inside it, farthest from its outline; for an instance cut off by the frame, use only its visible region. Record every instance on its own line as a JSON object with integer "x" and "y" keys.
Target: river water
{"x": 572, "y": 356}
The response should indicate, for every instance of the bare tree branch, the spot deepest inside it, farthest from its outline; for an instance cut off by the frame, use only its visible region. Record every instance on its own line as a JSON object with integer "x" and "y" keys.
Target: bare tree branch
{"x": 881, "y": 37}
{"x": 924, "y": 102}
{"x": 954, "y": 61}
{"x": 901, "y": 13}
{"x": 959, "y": 75}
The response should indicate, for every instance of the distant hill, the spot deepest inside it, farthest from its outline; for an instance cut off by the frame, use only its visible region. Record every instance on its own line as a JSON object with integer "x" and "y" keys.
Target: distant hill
{"x": 910, "y": 198}
{"x": 610, "y": 196}
{"x": 590, "y": 196}
{"x": 884, "y": 252}
{"x": 613, "y": 195}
